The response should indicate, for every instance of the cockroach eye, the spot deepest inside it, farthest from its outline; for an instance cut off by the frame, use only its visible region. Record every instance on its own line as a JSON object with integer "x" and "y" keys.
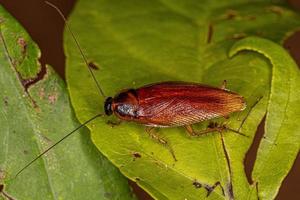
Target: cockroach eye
{"x": 107, "y": 106}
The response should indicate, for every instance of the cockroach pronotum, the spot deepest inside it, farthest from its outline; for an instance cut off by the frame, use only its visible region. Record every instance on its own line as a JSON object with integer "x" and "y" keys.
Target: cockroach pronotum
{"x": 165, "y": 104}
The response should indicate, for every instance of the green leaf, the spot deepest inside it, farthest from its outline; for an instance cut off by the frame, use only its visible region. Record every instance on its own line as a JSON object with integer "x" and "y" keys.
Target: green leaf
{"x": 133, "y": 43}
{"x": 281, "y": 128}
{"x": 33, "y": 118}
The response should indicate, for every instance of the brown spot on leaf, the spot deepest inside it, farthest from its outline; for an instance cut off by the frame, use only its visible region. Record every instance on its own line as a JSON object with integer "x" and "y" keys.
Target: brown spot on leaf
{"x": 23, "y": 45}
{"x": 197, "y": 184}
{"x": 1, "y": 187}
{"x": 25, "y": 82}
{"x": 210, "y": 33}
{"x": 53, "y": 98}
{"x": 93, "y": 65}
{"x": 137, "y": 155}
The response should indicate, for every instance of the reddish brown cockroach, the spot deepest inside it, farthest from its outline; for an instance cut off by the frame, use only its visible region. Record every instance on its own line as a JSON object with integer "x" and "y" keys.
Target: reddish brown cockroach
{"x": 165, "y": 104}
{"x": 171, "y": 104}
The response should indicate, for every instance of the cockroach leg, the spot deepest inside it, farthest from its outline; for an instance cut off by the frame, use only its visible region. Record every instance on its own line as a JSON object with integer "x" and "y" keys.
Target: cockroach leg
{"x": 212, "y": 127}
{"x": 223, "y": 127}
{"x": 235, "y": 131}
{"x": 113, "y": 123}
{"x": 224, "y": 84}
{"x": 153, "y": 134}
{"x": 194, "y": 133}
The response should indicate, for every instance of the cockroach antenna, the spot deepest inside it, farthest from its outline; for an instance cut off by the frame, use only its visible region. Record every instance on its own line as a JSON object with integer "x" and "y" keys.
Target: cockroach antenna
{"x": 56, "y": 143}
{"x": 78, "y": 46}
{"x": 97, "y": 84}
{"x": 249, "y": 111}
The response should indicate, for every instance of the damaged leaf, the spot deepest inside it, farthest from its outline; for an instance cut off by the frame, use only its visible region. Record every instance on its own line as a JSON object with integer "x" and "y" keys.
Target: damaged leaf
{"x": 34, "y": 117}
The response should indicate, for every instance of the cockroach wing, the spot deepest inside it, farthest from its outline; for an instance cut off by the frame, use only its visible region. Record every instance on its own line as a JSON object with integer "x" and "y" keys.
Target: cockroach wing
{"x": 180, "y": 103}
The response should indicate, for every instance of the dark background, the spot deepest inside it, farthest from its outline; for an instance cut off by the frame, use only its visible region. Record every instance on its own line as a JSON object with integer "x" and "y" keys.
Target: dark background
{"x": 46, "y": 28}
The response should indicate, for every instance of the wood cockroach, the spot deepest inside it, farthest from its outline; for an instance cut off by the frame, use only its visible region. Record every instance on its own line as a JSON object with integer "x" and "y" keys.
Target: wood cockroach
{"x": 164, "y": 104}
{"x": 171, "y": 104}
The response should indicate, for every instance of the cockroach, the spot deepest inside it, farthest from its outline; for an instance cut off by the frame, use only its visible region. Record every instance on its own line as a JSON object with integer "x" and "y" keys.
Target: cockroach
{"x": 172, "y": 104}
{"x": 164, "y": 104}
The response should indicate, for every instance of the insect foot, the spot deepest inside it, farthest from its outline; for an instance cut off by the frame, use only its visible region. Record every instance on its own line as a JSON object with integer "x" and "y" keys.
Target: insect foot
{"x": 113, "y": 123}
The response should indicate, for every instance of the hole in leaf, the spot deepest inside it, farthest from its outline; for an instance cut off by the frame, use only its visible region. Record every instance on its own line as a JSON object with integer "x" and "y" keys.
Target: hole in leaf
{"x": 252, "y": 152}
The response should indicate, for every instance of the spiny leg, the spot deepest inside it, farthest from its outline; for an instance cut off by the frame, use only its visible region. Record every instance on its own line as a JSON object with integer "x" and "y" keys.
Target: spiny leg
{"x": 223, "y": 127}
{"x": 212, "y": 127}
{"x": 194, "y": 133}
{"x": 151, "y": 132}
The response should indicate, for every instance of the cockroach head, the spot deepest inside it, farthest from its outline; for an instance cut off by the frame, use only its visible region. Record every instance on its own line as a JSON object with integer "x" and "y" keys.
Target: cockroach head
{"x": 125, "y": 104}
{"x": 108, "y": 106}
